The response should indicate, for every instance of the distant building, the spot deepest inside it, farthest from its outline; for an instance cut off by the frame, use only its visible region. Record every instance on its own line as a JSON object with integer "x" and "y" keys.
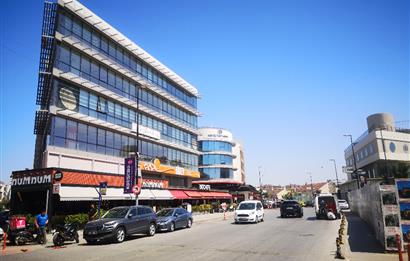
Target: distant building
{"x": 383, "y": 150}
{"x": 238, "y": 162}
{"x": 4, "y": 192}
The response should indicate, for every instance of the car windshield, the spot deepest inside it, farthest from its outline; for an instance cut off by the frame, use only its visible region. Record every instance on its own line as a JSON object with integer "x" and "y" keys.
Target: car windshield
{"x": 116, "y": 213}
{"x": 290, "y": 203}
{"x": 246, "y": 206}
{"x": 165, "y": 213}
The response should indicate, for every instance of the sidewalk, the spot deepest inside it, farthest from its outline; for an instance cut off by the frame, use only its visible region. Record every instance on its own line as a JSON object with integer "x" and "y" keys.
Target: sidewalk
{"x": 11, "y": 249}
{"x": 362, "y": 244}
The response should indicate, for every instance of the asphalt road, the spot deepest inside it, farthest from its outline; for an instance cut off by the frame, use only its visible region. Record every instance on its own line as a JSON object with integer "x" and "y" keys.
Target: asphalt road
{"x": 274, "y": 239}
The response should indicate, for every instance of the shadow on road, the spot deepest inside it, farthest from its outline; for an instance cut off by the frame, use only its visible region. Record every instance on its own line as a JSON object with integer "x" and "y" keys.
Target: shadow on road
{"x": 311, "y": 219}
{"x": 361, "y": 237}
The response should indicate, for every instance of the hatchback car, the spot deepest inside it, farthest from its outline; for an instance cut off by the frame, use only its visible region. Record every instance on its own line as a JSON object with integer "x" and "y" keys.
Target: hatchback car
{"x": 170, "y": 219}
{"x": 291, "y": 208}
{"x": 343, "y": 204}
{"x": 249, "y": 211}
{"x": 120, "y": 222}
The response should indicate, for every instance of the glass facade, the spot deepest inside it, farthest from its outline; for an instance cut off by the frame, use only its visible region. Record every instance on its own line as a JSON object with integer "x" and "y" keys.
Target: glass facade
{"x": 215, "y": 159}
{"x": 207, "y": 146}
{"x": 110, "y": 111}
{"x": 69, "y": 60}
{"x": 69, "y": 25}
{"x": 216, "y": 173}
{"x": 78, "y": 136}
{"x": 210, "y": 163}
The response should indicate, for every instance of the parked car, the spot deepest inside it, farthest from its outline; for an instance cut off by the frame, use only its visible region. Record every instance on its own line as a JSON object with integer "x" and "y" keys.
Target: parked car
{"x": 343, "y": 204}
{"x": 169, "y": 219}
{"x": 325, "y": 203}
{"x": 120, "y": 222}
{"x": 249, "y": 211}
{"x": 291, "y": 208}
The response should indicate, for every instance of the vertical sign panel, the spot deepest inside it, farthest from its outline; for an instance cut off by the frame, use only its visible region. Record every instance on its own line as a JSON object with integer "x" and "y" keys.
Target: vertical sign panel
{"x": 129, "y": 175}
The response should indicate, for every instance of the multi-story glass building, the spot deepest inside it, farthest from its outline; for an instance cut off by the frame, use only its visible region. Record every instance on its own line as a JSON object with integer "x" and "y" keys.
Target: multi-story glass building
{"x": 96, "y": 88}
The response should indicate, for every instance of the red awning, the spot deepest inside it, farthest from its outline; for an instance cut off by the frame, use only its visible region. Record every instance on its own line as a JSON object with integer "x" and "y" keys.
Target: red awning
{"x": 206, "y": 195}
{"x": 224, "y": 195}
{"x": 179, "y": 194}
{"x": 193, "y": 194}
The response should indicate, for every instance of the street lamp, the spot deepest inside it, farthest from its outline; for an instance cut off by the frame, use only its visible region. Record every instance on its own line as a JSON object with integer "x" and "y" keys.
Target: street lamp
{"x": 354, "y": 158}
{"x": 337, "y": 178}
{"x": 311, "y": 183}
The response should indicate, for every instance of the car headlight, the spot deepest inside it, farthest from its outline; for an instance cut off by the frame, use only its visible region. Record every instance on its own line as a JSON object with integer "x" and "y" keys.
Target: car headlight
{"x": 109, "y": 225}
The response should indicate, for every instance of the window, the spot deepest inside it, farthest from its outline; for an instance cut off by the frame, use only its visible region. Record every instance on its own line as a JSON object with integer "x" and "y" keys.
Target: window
{"x": 101, "y": 137}
{"x": 109, "y": 139}
{"x": 95, "y": 70}
{"x": 101, "y": 106}
{"x": 87, "y": 34}
{"x": 92, "y": 135}
{"x": 64, "y": 55}
{"x": 93, "y": 102}
{"x": 103, "y": 74}
{"x": 104, "y": 44}
{"x": 60, "y": 127}
{"x": 85, "y": 65}
{"x": 111, "y": 78}
{"x": 71, "y": 130}
{"x": 75, "y": 63}
{"x": 96, "y": 39}
{"x": 77, "y": 28}
{"x": 82, "y": 132}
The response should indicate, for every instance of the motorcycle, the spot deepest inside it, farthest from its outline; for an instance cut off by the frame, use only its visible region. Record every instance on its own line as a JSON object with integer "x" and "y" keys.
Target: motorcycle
{"x": 66, "y": 232}
{"x": 26, "y": 235}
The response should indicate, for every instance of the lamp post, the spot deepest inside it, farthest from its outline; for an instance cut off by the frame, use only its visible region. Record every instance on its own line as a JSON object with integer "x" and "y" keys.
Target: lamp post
{"x": 354, "y": 158}
{"x": 311, "y": 183}
{"x": 337, "y": 178}
{"x": 260, "y": 180}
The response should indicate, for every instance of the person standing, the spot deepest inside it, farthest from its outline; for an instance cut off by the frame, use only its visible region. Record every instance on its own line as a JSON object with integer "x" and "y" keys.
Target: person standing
{"x": 41, "y": 222}
{"x": 92, "y": 213}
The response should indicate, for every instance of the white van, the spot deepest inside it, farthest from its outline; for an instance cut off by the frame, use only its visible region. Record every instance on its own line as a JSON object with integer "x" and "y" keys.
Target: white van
{"x": 331, "y": 203}
{"x": 249, "y": 211}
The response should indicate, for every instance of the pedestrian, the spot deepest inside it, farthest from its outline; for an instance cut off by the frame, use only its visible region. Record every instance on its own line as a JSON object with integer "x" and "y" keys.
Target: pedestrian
{"x": 41, "y": 222}
{"x": 92, "y": 213}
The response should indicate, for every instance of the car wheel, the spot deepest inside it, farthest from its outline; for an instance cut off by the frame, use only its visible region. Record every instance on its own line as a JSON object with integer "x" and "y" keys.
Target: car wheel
{"x": 189, "y": 225}
{"x": 151, "y": 230}
{"x": 172, "y": 227}
{"x": 90, "y": 242}
{"x": 119, "y": 235}
{"x": 263, "y": 218}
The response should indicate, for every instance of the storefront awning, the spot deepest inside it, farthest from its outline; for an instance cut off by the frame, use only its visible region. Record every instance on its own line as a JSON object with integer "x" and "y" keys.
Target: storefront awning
{"x": 179, "y": 194}
{"x": 193, "y": 194}
{"x": 162, "y": 194}
{"x": 223, "y": 195}
{"x": 68, "y": 193}
{"x": 206, "y": 195}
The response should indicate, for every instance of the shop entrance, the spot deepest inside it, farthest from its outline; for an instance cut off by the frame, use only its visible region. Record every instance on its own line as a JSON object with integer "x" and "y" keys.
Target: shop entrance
{"x": 29, "y": 200}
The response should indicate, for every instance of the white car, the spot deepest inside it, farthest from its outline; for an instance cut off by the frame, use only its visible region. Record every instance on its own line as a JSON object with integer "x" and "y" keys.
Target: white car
{"x": 343, "y": 204}
{"x": 249, "y": 211}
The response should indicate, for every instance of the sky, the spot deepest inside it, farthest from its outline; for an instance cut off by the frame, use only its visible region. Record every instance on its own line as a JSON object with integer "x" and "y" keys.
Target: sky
{"x": 288, "y": 78}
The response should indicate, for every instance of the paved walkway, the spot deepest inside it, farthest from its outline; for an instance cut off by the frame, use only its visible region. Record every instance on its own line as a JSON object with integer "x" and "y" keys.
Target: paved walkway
{"x": 362, "y": 244}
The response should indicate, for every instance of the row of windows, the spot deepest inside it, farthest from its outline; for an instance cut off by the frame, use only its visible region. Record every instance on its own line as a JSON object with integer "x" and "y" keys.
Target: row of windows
{"x": 103, "y": 109}
{"x": 214, "y": 159}
{"x": 216, "y": 173}
{"x": 78, "y": 136}
{"x": 215, "y": 146}
{"x": 68, "y": 26}
{"x": 70, "y": 60}
{"x": 363, "y": 153}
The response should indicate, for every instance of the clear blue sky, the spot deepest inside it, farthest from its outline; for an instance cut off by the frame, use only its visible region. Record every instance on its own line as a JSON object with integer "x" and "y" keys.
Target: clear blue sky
{"x": 288, "y": 78}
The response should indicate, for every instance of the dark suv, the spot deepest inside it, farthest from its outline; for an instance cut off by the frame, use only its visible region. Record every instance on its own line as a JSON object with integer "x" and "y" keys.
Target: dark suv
{"x": 291, "y": 208}
{"x": 120, "y": 222}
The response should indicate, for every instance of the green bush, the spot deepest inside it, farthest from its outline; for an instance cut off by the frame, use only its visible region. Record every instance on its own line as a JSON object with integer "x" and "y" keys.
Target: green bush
{"x": 81, "y": 219}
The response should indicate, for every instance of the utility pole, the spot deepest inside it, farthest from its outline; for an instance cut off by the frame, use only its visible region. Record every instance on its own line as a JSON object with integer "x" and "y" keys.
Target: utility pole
{"x": 260, "y": 181}
{"x": 311, "y": 184}
{"x": 337, "y": 178}
{"x": 354, "y": 159}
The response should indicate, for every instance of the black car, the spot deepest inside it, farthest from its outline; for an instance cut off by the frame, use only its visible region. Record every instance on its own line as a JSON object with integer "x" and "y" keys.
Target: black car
{"x": 120, "y": 222}
{"x": 170, "y": 219}
{"x": 291, "y": 208}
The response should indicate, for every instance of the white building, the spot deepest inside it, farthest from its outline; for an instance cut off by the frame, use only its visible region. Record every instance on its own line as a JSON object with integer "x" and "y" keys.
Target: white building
{"x": 381, "y": 150}
{"x": 238, "y": 162}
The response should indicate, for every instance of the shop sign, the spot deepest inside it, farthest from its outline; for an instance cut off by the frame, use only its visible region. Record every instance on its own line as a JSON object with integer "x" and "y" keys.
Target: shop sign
{"x": 179, "y": 171}
{"x": 56, "y": 188}
{"x": 142, "y": 130}
{"x": 103, "y": 188}
{"x": 31, "y": 180}
{"x": 204, "y": 187}
{"x": 154, "y": 184}
{"x": 129, "y": 175}
{"x": 403, "y": 196}
{"x": 390, "y": 215}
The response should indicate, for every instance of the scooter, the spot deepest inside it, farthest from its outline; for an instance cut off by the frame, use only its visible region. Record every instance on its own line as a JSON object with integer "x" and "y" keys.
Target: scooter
{"x": 67, "y": 232}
